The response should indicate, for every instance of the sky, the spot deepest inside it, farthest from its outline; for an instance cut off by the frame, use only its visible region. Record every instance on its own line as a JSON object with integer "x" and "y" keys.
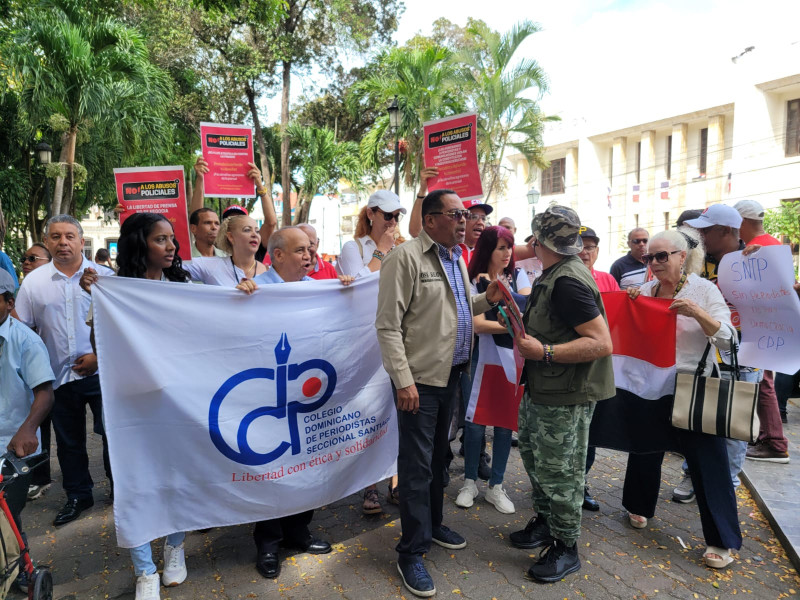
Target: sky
{"x": 625, "y": 56}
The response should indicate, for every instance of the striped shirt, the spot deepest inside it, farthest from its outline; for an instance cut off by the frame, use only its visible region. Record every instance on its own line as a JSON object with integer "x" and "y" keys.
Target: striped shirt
{"x": 456, "y": 279}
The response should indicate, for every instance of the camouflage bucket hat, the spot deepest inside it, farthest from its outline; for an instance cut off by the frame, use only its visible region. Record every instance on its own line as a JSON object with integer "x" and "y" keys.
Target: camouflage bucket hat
{"x": 558, "y": 229}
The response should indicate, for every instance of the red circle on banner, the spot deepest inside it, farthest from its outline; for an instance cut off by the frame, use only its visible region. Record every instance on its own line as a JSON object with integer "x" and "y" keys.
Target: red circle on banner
{"x": 312, "y": 387}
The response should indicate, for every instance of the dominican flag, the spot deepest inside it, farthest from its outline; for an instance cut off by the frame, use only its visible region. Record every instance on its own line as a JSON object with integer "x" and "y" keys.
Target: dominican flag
{"x": 496, "y": 393}
{"x": 637, "y": 419}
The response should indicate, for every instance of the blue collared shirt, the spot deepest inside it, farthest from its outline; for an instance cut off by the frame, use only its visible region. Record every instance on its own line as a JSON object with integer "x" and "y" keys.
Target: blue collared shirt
{"x": 24, "y": 364}
{"x": 271, "y": 276}
{"x": 456, "y": 279}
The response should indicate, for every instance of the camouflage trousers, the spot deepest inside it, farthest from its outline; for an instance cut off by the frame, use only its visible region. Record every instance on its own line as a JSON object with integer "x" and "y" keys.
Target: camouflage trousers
{"x": 552, "y": 444}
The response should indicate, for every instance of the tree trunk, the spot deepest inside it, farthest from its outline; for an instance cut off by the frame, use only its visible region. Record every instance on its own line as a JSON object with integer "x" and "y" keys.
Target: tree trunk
{"x": 262, "y": 147}
{"x": 62, "y": 196}
{"x": 286, "y": 176}
{"x": 302, "y": 211}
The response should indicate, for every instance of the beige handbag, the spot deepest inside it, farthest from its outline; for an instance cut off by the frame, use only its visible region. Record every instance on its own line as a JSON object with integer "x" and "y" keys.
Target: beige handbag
{"x": 721, "y": 407}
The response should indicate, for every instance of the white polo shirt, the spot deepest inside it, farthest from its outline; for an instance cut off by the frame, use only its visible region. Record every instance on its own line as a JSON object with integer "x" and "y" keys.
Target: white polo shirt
{"x": 57, "y": 307}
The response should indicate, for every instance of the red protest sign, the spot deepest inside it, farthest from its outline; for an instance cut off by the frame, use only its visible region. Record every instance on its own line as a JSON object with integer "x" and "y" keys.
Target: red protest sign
{"x": 227, "y": 149}
{"x": 159, "y": 190}
{"x": 450, "y": 146}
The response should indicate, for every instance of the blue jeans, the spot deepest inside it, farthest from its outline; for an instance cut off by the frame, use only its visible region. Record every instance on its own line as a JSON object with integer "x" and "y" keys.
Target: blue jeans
{"x": 142, "y": 556}
{"x": 501, "y": 448}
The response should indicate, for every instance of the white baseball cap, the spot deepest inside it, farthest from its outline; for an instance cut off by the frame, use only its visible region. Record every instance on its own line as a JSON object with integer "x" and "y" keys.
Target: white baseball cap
{"x": 387, "y": 201}
{"x": 717, "y": 214}
{"x": 750, "y": 209}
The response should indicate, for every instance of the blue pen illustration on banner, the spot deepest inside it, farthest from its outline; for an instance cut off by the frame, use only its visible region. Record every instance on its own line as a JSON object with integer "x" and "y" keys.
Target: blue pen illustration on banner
{"x": 284, "y": 409}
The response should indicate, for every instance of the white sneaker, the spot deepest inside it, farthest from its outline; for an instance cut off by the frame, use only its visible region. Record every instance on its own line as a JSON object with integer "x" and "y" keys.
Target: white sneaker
{"x": 497, "y": 496}
{"x": 174, "y": 565}
{"x": 467, "y": 494}
{"x": 148, "y": 587}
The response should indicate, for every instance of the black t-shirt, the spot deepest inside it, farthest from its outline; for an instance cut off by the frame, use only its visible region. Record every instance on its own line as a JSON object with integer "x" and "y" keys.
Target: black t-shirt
{"x": 573, "y": 302}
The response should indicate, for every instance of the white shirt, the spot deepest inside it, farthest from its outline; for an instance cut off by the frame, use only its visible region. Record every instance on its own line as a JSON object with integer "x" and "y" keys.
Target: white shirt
{"x": 214, "y": 270}
{"x": 691, "y": 341}
{"x": 57, "y": 307}
{"x": 353, "y": 261}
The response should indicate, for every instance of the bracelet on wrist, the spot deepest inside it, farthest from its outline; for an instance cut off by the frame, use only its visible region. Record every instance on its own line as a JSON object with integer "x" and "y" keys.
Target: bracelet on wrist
{"x": 421, "y": 197}
{"x": 261, "y": 191}
{"x": 548, "y": 354}
{"x": 379, "y": 255}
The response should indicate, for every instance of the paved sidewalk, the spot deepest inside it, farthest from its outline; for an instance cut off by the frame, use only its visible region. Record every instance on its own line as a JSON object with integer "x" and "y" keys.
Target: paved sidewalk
{"x": 662, "y": 561}
{"x": 776, "y": 488}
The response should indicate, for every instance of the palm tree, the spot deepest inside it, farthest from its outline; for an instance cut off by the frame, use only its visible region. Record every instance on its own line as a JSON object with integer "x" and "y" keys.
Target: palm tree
{"x": 76, "y": 71}
{"x": 423, "y": 81}
{"x": 321, "y": 162}
{"x": 504, "y": 93}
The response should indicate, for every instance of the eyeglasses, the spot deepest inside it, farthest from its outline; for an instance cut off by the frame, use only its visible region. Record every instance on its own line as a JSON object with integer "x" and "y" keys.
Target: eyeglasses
{"x": 33, "y": 258}
{"x": 589, "y": 248}
{"x": 660, "y": 257}
{"x": 456, "y": 215}
{"x": 387, "y": 216}
{"x": 639, "y": 241}
{"x": 475, "y": 217}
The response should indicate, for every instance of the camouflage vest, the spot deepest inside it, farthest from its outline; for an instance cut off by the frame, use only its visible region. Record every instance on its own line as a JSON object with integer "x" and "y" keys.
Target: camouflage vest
{"x": 561, "y": 384}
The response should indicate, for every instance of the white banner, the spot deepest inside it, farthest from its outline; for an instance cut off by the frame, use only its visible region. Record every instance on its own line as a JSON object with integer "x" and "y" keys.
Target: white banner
{"x": 760, "y": 287}
{"x": 222, "y": 408}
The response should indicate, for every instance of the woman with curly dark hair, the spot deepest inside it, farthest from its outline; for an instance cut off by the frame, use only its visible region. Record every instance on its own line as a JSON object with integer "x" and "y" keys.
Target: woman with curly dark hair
{"x": 148, "y": 250}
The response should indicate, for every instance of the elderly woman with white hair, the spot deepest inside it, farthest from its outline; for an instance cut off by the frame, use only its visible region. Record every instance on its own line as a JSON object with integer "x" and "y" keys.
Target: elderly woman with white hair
{"x": 377, "y": 233}
{"x": 675, "y": 257}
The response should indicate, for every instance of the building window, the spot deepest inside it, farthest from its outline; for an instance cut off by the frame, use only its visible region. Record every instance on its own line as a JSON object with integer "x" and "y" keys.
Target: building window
{"x": 793, "y": 128}
{"x": 638, "y": 160}
{"x": 703, "y": 151}
{"x": 553, "y": 177}
{"x": 668, "y": 170}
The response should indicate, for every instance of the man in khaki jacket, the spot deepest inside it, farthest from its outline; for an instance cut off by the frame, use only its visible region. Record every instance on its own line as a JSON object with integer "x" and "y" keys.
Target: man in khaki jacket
{"x": 424, "y": 325}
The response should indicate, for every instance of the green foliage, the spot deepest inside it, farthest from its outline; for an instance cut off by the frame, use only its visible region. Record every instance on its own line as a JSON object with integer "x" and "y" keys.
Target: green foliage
{"x": 322, "y": 162}
{"x": 784, "y": 221}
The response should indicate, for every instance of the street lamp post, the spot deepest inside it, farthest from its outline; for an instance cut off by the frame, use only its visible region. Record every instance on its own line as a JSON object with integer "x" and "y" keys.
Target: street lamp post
{"x": 533, "y": 197}
{"x": 394, "y": 122}
{"x": 44, "y": 153}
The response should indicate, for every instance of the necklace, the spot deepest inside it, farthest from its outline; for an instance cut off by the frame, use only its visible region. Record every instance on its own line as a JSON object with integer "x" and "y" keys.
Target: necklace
{"x": 253, "y": 268}
{"x": 678, "y": 287}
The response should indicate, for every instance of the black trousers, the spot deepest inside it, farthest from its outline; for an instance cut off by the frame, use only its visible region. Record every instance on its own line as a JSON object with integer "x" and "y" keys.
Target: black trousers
{"x": 269, "y": 534}
{"x": 41, "y": 474}
{"x": 69, "y": 424}
{"x": 421, "y": 464}
{"x": 707, "y": 457}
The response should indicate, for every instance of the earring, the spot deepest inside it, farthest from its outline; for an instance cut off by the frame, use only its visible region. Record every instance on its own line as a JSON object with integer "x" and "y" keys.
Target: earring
{"x": 370, "y": 222}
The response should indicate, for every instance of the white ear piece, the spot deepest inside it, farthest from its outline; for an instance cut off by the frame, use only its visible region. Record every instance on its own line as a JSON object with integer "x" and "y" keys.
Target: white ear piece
{"x": 370, "y": 222}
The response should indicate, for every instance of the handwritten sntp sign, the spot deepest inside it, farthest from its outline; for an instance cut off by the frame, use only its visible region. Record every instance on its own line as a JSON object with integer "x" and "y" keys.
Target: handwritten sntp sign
{"x": 760, "y": 287}
{"x": 451, "y": 147}
{"x": 227, "y": 149}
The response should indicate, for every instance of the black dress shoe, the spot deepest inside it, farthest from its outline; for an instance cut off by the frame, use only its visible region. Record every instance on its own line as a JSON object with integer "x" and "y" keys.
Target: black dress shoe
{"x": 311, "y": 545}
{"x": 555, "y": 563}
{"x": 589, "y": 503}
{"x": 268, "y": 565}
{"x": 535, "y": 534}
{"x": 72, "y": 510}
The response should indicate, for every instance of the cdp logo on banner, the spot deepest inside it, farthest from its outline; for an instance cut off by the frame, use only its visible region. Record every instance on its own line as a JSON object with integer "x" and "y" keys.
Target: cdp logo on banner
{"x": 282, "y": 375}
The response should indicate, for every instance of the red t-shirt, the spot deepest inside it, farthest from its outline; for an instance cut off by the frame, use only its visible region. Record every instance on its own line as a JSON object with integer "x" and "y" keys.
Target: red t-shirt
{"x": 466, "y": 253}
{"x": 764, "y": 239}
{"x": 605, "y": 281}
{"x": 323, "y": 270}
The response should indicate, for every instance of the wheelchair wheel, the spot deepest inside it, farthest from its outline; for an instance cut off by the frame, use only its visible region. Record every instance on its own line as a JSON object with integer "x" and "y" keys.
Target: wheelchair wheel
{"x": 42, "y": 584}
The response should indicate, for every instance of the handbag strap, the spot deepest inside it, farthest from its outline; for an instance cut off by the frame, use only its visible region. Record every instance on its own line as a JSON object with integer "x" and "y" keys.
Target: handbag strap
{"x": 701, "y": 366}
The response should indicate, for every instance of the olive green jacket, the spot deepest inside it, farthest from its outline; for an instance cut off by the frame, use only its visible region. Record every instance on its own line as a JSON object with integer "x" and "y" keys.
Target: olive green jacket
{"x": 561, "y": 384}
{"x": 417, "y": 319}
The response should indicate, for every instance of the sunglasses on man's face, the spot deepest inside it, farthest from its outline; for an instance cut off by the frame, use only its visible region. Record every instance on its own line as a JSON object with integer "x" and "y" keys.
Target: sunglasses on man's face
{"x": 389, "y": 216}
{"x": 638, "y": 241}
{"x": 659, "y": 257}
{"x": 33, "y": 258}
{"x": 456, "y": 215}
